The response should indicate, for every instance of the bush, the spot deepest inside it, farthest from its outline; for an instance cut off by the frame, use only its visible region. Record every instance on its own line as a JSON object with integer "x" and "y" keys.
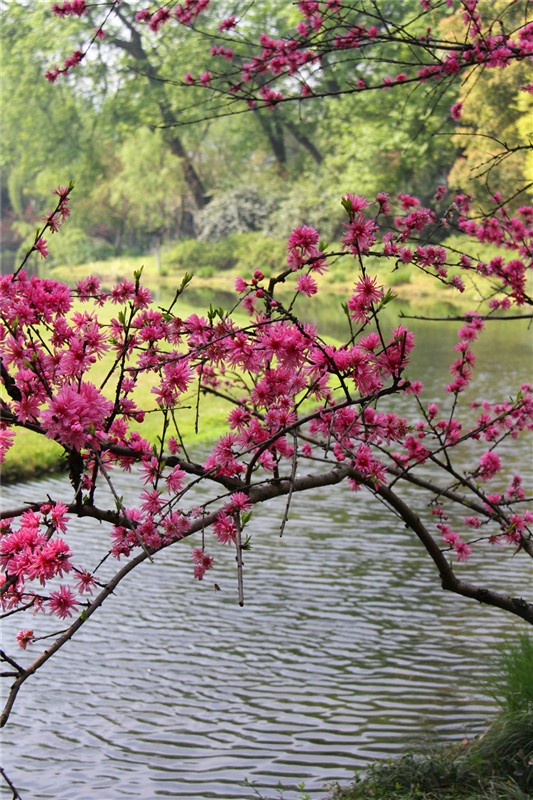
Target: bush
{"x": 497, "y": 766}
{"x": 507, "y": 747}
{"x": 236, "y": 211}
{"x": 74, "y": 246}
{"x": 242, "y": 251}
{"x": 308, "y": 203}
{"x": 192, "y": 255}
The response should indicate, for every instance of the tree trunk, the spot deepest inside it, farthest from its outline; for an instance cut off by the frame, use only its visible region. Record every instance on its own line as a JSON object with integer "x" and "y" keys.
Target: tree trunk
{"x": 135, "y": 49}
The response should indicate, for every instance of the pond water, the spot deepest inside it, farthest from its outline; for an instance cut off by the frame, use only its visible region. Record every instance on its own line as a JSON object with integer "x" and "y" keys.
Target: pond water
{"x": 346, "y": 651}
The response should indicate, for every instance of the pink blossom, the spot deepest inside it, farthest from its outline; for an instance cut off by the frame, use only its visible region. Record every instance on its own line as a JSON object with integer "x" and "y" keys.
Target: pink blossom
{"x": 462, "y": 550}
{"x": 73, "y": 60}
{"x": 88, "y": 287}
{"x": 24, "y": 638}
{"x": 62, "y": 602}
{"x": 85, "y": 582}
{"x": 306, "y": 285}
{"x": 41, "y": 247}
{"x": 360, "y": 234}
{"x": 176, "y": 525}
{"x": 75, "y": 413}
{"x": 490, "y": 464}
{"x": 7, "y": 437}
{"x": 158, "y": 18}
{"x": 383, "y": 199}
{"x": 515, "y": 490}
{"x": 70, "y": 8}
{"x": 123, "y": 292}
{"x": 202, "y": 562}
{"x": 58, "y": 515}
{"x": 227, "y": 24}
{"x": 304, "y": 237}
{"x": 151, "y": 501}
{"x": 150, "y": 470}
{"x": 238, "y": 502}
{"x": 302, "y": 248}
{"x": 52, "y": 75}
{"x": 50, "y": 560}
{"x": 225, "y": 528}
{"x": 175, "y": 480}
{"x": 354, "y": 204}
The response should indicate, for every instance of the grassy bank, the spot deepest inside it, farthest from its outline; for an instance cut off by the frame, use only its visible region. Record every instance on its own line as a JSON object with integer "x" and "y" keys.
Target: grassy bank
{"x": 495, "y": 767}
{"x": 498, "y": 765}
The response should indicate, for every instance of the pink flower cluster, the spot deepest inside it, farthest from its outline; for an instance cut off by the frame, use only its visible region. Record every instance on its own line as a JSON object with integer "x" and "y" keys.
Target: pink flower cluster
{"x": 303, "y": 249}
{"x": 202, "y": 562}
{"x": 76, "y": 8}
{"x": 33, "y": 553}
{"x": 185, "y": 13}
{"x": 75, "y": 416}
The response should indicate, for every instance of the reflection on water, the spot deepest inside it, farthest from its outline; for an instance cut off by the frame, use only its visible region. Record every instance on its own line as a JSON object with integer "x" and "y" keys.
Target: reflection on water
{"x": 346, "y": 650}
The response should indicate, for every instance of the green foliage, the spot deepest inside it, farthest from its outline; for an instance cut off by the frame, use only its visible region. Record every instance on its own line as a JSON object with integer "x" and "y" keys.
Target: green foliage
{"x": 496, "y": 119}
{"x": 48, "y": 131}
{"x": 313, "y": 200}
{"x": 75, "y": 246}
{"x": 507, "y": 747}
{"x": 403, "y": 154}
{"x": 512, "y": 682}
{"x": 196, "y": 256}
{"x": 241, "y": 251}
{"x": 143, "y": 186}
{"x": 400, "y": 276}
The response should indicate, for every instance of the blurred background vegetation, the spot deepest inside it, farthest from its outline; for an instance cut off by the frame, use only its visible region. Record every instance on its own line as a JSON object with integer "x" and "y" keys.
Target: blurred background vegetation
{"x": 209, "y": 196}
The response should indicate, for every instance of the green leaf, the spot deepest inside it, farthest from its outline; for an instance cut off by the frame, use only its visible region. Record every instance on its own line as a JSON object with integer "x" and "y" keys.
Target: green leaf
{"x": 387, "y": 299}
{"x": 346, "y": 203}
{"x": 187, "y": 278}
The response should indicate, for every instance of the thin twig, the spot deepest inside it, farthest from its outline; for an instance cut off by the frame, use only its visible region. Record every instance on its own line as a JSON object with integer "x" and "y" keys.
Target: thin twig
{"x": 289, "y": 496}
{"x": 120, "y": 505}
{"x": 238, "y": 558}
{"x": 16, "y": 794}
